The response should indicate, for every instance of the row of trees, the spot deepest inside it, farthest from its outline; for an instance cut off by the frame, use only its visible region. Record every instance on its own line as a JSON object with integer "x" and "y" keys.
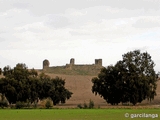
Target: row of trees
{"x": 21, "y": 84}
{"x": 132, "y": 79}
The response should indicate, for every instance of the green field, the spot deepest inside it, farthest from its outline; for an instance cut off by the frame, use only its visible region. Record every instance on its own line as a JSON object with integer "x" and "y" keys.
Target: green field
{"x": 76, "y": 114}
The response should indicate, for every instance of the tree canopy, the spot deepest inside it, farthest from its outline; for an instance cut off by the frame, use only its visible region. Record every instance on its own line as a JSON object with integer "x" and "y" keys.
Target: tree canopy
{"x": 0, "y": 71}
{"x": 132, "y": 79}
{"x": 21, "y": 84}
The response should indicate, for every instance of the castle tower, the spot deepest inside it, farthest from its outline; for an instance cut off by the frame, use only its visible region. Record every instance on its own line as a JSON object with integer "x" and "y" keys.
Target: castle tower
{"x": 72, "y": 61}
{"x": 45, "y": 64}
{"x": 98, "y": 62}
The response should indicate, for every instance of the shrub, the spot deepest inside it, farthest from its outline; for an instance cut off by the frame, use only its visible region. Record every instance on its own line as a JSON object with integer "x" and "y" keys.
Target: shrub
{"x": 48, "y": 104}
{"x": 79, "y": 106}
{"x": 19, "y": 105}
{"x": 85, "y": 106}
{"x": 99, "y": 107}
{"x": 35, "y": 104}
{"x": 28, "y": 104}
{"x": 91, "y": 104}
{"x": 3, "y": 104}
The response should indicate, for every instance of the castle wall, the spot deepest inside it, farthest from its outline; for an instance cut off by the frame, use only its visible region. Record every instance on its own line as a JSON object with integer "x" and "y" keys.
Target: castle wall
{"x": 86, "y": 69}
{"x": 75, "y": 69}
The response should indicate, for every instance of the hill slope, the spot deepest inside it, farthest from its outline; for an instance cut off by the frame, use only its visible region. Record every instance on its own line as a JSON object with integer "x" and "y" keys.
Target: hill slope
{"x": 81, "y": 87}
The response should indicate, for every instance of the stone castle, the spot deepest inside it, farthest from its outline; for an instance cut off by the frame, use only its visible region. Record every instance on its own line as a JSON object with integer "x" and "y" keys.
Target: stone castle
{"x": 74, "y": 69}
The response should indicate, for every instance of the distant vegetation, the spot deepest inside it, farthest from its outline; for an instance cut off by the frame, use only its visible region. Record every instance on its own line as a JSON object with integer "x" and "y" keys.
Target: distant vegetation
{"x": 22, "y": 85}
{"x": 131, "y": 80}
{"x": 85, "y": 106}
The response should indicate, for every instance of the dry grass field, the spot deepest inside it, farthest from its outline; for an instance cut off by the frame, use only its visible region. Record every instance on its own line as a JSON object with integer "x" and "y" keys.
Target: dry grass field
{"x": 81, "y": 87}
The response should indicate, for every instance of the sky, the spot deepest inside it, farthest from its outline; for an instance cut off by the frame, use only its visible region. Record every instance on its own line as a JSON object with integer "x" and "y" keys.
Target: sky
{"x": 58, "y": 30}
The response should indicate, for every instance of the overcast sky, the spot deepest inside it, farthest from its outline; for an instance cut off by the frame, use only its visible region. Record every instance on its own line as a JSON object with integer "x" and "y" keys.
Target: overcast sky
{"x": 57, "y": 30}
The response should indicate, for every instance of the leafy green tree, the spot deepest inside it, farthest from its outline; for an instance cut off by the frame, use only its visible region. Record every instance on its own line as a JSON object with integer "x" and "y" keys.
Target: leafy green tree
{"x": 140, "y": 76}
{"x": 107, "y": 85}
{"x": 7, "y": 72}
{"x": 7, "y": 88}
{"x": 3, "y": 101}
{"x": 0, "y": 71}
{"x": 35, "y": 89}
{"x": 131, "y": 80}
{"x": 56, "y": 91}
{"x": 23, "y": 85}
{"x": 16, "y": 84}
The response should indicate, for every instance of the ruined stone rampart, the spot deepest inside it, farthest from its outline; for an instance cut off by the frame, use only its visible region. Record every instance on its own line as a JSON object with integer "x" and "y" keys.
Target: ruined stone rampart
{"x": 74, "y": 69}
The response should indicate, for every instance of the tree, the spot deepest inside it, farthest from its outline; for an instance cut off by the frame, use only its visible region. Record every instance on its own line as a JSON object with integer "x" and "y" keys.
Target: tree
{"x": 0, "y": 71}
{"x": 131, "y": 80}
{"x": 140, "y": 75}
{"x": 107, "y": 85}
{"x": 16, "y": 85}
{"x": 7, "y": 89}
{"x": 54, "y": 88}
{"x": 3, "y": 101}
{"x": 23, "y": 85}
